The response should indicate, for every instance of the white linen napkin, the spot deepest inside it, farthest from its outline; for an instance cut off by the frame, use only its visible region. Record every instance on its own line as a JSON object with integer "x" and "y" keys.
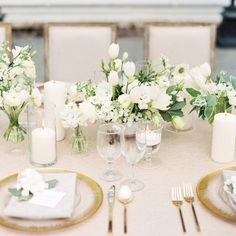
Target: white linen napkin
{"x": 227, "y": 174}
{"x": 64, "y": 209}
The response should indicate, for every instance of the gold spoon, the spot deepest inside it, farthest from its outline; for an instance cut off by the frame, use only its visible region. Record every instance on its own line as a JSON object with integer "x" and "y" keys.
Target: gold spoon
{"x": 125, "y": 196}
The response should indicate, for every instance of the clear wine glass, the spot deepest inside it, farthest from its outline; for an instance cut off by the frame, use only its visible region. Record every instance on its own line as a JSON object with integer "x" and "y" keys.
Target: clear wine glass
{"x": 149, "y": 133}
{"x": 109, "y": 148}
{"x": 133, "y": 152}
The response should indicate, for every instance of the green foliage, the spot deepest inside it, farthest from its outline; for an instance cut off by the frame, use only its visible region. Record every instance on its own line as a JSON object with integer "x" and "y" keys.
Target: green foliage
{"x": 193, "y": 92}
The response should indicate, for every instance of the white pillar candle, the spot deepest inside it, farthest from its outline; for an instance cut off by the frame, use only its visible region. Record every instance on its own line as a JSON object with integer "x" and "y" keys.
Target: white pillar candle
{"x": 149, "y": 138}
{"x": 223, "y": 137}
{"x": 54, "y": 94}
{"x": 43, "y": 146}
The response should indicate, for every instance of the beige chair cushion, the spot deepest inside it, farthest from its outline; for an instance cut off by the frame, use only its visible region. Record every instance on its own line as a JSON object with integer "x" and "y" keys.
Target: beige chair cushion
{"x": 75, "y": 52}
{"x": 181, "y": 44}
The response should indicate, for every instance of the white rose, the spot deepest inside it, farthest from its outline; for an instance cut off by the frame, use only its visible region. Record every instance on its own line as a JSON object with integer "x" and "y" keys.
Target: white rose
{"x": 88, "y": 112}
{"x": 113, "y": 78}
{"x": 135, "y": 94}
{"x": 178, "y": 122}
{"x": 129, "y": 69}
{"x": 162, "y": 102}
{"x": 205, "y": 69}
{"x": 118, "y": 64}
{"x": 124, "y": 100}
{"x": 113, "y": 50}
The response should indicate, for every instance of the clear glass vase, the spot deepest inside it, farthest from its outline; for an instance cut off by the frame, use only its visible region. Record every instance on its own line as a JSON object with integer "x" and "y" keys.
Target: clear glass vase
{"x": 79, "y": 143}
{"x": 15, "y": 132}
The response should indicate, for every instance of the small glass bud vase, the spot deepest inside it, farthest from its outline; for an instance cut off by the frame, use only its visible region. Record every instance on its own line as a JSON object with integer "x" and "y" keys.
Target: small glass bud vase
{"x": 42, "y": 138}
{"x": 79, "y": 143}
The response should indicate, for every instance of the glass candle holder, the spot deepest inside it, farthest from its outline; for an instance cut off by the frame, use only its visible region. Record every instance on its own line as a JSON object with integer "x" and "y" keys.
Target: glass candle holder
{"x": 42, "y": 138}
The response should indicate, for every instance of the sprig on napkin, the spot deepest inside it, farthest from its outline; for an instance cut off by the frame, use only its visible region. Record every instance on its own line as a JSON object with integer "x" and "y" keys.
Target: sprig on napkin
{"x": 230, "y": 185}
{"x": 29, "y": 183}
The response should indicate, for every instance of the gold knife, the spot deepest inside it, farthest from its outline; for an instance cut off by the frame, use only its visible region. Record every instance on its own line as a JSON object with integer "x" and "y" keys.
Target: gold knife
{"x": 111, "y": 201}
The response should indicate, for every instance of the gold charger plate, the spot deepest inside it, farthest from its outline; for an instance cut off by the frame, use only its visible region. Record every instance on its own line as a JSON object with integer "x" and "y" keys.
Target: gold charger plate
{"x": 210, "y": 193}
{"x": 90, "y": 199}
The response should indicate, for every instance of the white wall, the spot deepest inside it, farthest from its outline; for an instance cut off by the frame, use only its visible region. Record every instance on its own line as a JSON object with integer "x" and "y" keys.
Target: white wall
{"x": 112, "y": 2}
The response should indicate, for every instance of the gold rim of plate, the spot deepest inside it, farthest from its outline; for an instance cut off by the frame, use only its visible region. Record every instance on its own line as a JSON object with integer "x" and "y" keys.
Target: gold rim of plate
{"x": 95, "y": 187}
{"x": 201, "y": 193}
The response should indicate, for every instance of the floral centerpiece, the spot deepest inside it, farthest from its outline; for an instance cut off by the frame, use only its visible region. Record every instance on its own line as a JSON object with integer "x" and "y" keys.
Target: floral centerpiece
{"x": 126, "y": 95}
{"x": 17, "y": 74}
{"x": 210, "y": 97}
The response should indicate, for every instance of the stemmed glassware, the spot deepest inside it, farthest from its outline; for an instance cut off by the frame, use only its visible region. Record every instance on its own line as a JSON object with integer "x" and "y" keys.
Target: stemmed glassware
{"x": 133, "y": 151}
{"x": 149, "y": 134}
{"x": 109, "y": 148}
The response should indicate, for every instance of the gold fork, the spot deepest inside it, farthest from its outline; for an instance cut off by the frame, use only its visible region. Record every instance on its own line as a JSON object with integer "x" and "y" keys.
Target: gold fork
{"x": 177, "y": 200}
{"x": 189, "y": 197}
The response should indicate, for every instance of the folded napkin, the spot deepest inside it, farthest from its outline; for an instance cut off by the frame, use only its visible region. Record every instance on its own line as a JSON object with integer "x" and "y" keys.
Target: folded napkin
{"x": 227, "y": 174}
{"x": 64, "y": 209}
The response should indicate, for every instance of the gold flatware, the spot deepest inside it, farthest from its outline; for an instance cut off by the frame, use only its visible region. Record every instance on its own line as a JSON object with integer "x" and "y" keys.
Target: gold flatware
{"x": 111, "y": 201}
{"x": 125, "y": 196}
{"x": 189, "y": 197}
{"x": 177, "y": 200}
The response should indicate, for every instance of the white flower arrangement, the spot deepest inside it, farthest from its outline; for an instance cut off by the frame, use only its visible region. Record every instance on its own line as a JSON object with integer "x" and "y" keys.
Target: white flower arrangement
{"x": 17, "y": 75}
{"x": 29, "y": 183}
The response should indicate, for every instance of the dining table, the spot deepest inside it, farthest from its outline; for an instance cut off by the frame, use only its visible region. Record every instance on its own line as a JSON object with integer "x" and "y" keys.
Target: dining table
{"x": 184, "y": 157}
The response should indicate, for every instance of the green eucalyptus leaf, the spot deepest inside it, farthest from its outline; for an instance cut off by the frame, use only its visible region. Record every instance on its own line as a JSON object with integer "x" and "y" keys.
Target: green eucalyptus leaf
{"x": 14, "y": 192}
{"x": 177, "y": 106}
{"x": 209, "y": 112}
{"x": 193, "y": 92}
{"x": 211, "y": 100}
{"x": 52, "y": 183}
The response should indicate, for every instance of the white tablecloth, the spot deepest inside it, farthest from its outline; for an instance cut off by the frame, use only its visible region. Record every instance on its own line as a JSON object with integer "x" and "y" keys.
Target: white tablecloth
{"x": 184, "y": 157}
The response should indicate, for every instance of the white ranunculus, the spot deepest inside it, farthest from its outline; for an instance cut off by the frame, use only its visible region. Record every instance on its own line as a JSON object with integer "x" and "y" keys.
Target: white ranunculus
{"x": 36, "y": 97}
{"x": 124, "y": 100}
{"x": 178, "y": 123}
{"x": 113, "y": 50}
{"x": 113, "y": 78}
{"x": 162, "y": 102}
{"x": 129, "y": 69}
{"x": 163, "y": 81}
{"x": 118, "y": 64}
{"x": 30, "y": 180}
{"x": 205, "y": 69}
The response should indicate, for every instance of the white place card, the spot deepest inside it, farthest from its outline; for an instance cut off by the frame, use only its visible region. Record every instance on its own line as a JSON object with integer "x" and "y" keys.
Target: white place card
{"x": 48, "y": 198}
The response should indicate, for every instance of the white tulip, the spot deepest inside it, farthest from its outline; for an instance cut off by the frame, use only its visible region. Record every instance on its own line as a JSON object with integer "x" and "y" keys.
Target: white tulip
{"x": 129, "y": 69}
{"x": 16, "y": 51}
{"x": 198, "y": 78}
{"x": 125, "y": 56}
{"x": 178, "y": 122}
{"x": 113, "y": 78}
{"x": 205, "y": 69}
{"x": 118, "y": 64}
{"x": 124, "y": 100}
{"x": 113, "y": 50}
